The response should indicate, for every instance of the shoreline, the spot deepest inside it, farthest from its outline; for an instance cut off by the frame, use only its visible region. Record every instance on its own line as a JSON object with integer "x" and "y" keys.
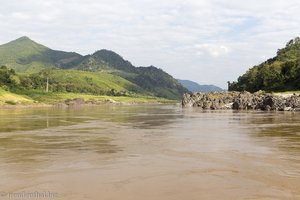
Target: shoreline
{"x": 78, "y": 102}
{"x": 40, "y": 99}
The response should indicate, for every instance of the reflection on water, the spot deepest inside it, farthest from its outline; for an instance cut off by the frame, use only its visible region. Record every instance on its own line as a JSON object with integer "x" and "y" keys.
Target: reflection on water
{"x": 150, "y": 152}
{"x": 31, "y": 119}
{"x": 38, "y": 136}
{"x": 281, "y": 129}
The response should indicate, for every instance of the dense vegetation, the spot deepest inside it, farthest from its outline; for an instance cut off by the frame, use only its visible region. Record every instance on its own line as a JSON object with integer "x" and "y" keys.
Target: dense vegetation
{"x": 8, "y": 78}
{"x": 280, "y": 73}
{"x": 98, "y": 83}
{"x": 103, "y": 72}
{"x": 68, "y": 84}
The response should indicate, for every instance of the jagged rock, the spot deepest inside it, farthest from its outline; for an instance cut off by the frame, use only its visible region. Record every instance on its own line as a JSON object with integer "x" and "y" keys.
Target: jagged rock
{"x": 242, "y": 101}
{"x": 110, "y": 101}
{"x": 288, "y": 109}
{"x": 293, "y": 101}
{"x": 271, "y": 102}
{"x": 213, "y": 100}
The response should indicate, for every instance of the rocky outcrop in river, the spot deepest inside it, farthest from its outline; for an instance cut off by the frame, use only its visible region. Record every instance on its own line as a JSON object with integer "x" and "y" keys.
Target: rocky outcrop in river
{"x": 242, "y": 101}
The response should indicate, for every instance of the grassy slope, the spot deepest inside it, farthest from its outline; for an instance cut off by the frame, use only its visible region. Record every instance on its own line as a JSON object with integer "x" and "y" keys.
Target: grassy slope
{"x": 56, "y": 97}
{"x": 34, "y": 97}
{"x": 25, "y": 55}
{"x": 103, "y": 80}
{"x": 11, "y": 98}
{"x": 12, "y": 53}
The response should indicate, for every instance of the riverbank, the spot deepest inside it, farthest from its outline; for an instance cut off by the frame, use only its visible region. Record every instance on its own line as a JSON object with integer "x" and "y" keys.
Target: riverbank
{"x": 37, "y": 99}
{"x": 243, "y": 101}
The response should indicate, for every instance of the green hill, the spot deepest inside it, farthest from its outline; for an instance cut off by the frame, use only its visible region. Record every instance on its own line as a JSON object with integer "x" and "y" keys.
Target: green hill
{"x": 151, "y": 79}
{"x": 105, "y": 59}
{"x": 281, "y": 73}
{"x": 98, "y": 83}
{"x": 28, "y": 57}
{"x": 158, "y": 82}
{"x": 25, "y": 55}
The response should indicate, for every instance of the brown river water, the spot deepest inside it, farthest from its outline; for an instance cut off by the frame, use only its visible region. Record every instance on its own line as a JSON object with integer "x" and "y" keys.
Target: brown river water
{"x": 148, "y": 153}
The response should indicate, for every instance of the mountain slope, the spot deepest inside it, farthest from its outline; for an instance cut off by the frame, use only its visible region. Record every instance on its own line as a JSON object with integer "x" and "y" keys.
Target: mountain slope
{"x": 25, "y": 55}
{"x": 195, "y": 87}
{"x": 151, "y": 79}
{"x": 158, "y": 82}
{"x": 105, "y": 60}
{"x": 100, "y": 83}
{"x": 280, "y": 73}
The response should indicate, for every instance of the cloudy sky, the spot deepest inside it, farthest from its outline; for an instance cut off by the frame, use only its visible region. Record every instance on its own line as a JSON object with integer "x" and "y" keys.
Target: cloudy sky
{"x": 207, "y": 41}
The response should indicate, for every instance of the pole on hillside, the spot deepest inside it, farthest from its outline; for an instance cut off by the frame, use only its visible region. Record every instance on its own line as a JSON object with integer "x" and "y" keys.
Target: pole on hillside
{"x": 47, "y": 86}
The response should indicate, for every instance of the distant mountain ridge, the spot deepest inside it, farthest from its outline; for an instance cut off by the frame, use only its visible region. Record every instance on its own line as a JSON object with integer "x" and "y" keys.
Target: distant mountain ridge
{"x": 195, "y": 87}
{"x": 26, "y": 56}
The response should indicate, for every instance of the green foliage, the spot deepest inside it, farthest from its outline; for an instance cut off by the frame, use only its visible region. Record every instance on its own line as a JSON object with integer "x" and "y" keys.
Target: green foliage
{"x": 55, "y": 97}
{"x": 7, "y": 97}
{"x": 280, "y": 73}
{"x": 98, "y": 83}
{"x": 113, "y": 60}
{"x": 8, "y": 77}
{"x": 10, "y": 102}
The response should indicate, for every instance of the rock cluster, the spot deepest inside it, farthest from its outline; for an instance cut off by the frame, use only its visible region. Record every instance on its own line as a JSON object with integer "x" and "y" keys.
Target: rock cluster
{"x": 77, "y": 102}
{"x": 242, "y": 101}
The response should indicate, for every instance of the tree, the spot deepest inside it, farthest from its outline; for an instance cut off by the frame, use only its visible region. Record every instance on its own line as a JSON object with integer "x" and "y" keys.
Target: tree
{"x": 8, "y": 77}
{"x": 276, "y": 74}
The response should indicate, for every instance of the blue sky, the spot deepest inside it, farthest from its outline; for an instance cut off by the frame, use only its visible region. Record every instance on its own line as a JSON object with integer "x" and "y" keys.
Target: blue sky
{"x": 207, "y": 41}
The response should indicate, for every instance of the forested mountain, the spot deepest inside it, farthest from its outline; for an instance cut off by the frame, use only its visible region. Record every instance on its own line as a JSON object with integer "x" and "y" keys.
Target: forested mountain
{"x": 151, "y": 79}
{"x": 30, "y": 58}
{"x": 105, "y": 60}
{"x": 280, "y": 73}
{"x": 195, "y": 87}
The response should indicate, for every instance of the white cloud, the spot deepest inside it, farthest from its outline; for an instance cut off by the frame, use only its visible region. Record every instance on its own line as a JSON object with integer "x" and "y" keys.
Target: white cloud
{"x": 20, "y": 16}
{"x": 209, "y": 41}
{"x": 214, "y": 50}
